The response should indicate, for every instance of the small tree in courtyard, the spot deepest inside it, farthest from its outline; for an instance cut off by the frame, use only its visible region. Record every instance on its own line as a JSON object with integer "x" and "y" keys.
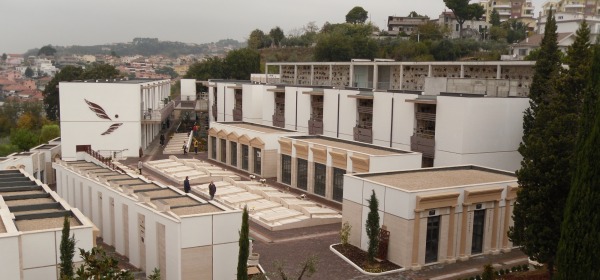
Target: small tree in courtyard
{"x": 372, "y": 226}
{"x": 67, "y": 251}
{"x": 242, "y": 268}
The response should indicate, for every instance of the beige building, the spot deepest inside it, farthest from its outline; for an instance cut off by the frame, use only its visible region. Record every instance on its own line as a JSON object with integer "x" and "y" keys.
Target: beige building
{"x": 434, "y": 215}
{"x": 317, "y": 164}
{"x": 521, "y": 10}
{"x": 246, "y": 146}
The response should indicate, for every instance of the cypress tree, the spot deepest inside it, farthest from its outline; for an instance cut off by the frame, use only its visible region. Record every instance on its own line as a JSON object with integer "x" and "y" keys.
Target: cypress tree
{"x": 372, "y": 226}
{"x": 244, "y": 242}
{"x": 67, "y": 251}
{"x": 577, "y": 256}
{"x": 549, "y": 134}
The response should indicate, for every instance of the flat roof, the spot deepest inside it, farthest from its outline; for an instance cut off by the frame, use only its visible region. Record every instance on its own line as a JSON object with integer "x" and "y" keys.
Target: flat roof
{"x": 350, "y": 145}
{"x": 117, "y": 81}
{"x": 180, "y": 204}
{"x": 434, "y": 178}
{"x": 257, "y": 127}
{"x": 46, "y": 146}
{"x": 41, "y": 224}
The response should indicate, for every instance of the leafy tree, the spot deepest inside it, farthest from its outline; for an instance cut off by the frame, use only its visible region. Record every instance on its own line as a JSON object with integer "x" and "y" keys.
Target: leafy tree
{"x": 464, "y": 11}
{"x": 488, "y": 272}
{"x": 100, "y": 71}
{"x": 165, "y": 70}
{"x": 277, "y": 35}
{"x": 516, "y": 30}
{"x": 29, "y": 72}
{"x": 155, "y": 274}
{"x": 372, "y": 226}
{"x": 98, "y": 265}
{"x": 70, "y": 73}
{"x": 577, "y": 255}
{"x": 67, "y": 251}
{"x": 47, "y": 50}
{"x": 495, "y": 18}
{"x": 240, "y": 63}
{"x": 51, "y": 101}
{"x": 308, "y": 267}
{"x": 414, "y": 14}
{"x": 4, "y": 57}
{"x": 7, "y": 149}
{"x": 334, "y": 47}
{"x": 430, "y": 31}
{"x": 498, "y": 33}
{"x": 242, "y": 267}
{"x": 357, "y": 15}
{"x": 49, "y": 132}
{"x": 256, "y": 39}
{"x": 23, "y": 138}
{"x": 26, "y": 121}
{"x": 549, "y": 130}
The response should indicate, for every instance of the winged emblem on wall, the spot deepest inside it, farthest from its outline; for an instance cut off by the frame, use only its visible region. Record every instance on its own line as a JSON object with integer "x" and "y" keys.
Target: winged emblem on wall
{"x": 99, "y": 111}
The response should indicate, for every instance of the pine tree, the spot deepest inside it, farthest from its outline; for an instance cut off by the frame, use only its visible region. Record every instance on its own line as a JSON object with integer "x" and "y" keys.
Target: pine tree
{"x": 577, "y": 256}
{"x": 549, "y": 134}
{"x": 372, "y": 226}
{"x": 579, "y": 56}
{"x": 67, "y": 251}
{"x": 242, "y": 267}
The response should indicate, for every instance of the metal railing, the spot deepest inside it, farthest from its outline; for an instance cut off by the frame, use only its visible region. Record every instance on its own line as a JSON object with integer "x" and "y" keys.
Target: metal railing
{"x": 104, "y": 160}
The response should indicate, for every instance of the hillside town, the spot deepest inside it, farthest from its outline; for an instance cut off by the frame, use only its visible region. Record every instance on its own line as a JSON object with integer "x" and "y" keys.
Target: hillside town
{"x": 455, "y": 146}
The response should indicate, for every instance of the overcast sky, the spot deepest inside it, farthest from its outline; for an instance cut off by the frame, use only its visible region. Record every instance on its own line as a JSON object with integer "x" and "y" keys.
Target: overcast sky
{"x": 26, "y": 24}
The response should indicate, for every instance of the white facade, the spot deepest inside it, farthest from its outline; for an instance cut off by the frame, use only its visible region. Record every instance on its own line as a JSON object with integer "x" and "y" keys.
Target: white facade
{"x": 188, "y": 89}
{"x": 451, "y": 195}
{"x": 30, "y": 241}
{"x": 116, "y": 118}
{"x": 200, "y": 242}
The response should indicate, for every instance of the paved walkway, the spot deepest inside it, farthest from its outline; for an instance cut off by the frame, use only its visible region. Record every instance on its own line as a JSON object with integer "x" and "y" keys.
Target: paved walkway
{"x": 292, "y": 247}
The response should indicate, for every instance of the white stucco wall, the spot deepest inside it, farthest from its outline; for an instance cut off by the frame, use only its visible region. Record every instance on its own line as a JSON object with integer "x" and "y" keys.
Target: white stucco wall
{"x": 188, "y": 89}
{"x": 252, "y": 99}
{"x": 403, "y": 119}
{"x": 268, "y": 106}
{"x": 480, "y": 131}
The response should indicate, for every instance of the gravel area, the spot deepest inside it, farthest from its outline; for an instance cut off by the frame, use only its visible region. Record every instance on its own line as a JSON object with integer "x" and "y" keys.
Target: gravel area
{"x": 201, "y": 209}
{"x": 145, "y": 187}
{"x": 40, "y": 224}
{"x": 21, "y": 193}
{"x": 180, "y": 201}
{"x": 38, "y": 211}
{"x": 431, "y": 179}
{"x": 161, "y": 193}
{"x": 29, "y": 201}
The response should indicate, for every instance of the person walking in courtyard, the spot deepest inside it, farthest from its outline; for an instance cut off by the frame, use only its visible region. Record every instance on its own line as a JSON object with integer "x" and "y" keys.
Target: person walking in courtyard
{"x": 184, "y": 148}
{"x": 140, "y": 165}
{"x": 186, "y": 185}
{"x": 212, "y": 189}
{"x": 162, "y": 140}
{"x": 196, "y": 146}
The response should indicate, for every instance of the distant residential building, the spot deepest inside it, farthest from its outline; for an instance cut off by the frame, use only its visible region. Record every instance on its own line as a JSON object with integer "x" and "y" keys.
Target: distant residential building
{"x": 585, "y": 7}
{"x": 405, "y": 25}
{"x": 520, "y": 50}
{"x": 569, "y": 23}
{"x": 470, "y": 27}
{"x": 521, "y": 10}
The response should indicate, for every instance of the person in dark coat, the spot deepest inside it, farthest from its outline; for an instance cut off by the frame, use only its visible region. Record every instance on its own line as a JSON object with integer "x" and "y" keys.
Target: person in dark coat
{"x": 212, "y": 189}
{"x": 162, "y": 140}
{"x": 186, "y": 185}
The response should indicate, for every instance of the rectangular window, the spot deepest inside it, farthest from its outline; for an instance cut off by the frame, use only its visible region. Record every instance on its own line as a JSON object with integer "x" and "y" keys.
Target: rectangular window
{"x": 320, "y": 175}
{"x": 433, "y": 235}
{"x": 213, "y": 147}
{"x": 478, "y": 226}
{"x": 338, "y": 184}
{"x": 302, "y": 174}
{"x": 257, "y": 160}
{"x": 286, "y": 169}
{"x": 245, "y": 157}
{"x": 233, "y": 153}
{"x": 223, "y": 150}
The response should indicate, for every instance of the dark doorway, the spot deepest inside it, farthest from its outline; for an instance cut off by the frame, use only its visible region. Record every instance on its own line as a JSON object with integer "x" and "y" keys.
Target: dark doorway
{"x": 433, "y": 237}
{"x": 478, "y": 226}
